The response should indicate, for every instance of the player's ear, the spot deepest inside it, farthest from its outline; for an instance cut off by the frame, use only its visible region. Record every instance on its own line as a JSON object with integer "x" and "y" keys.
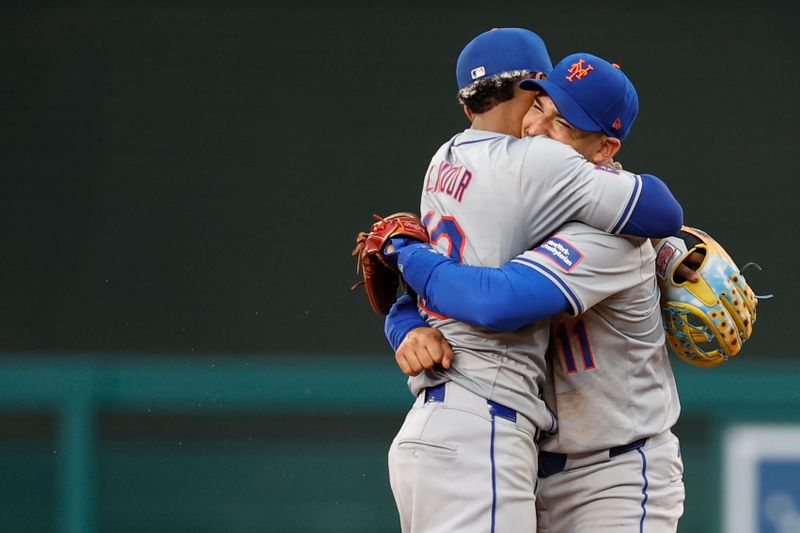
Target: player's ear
{"x": 468, "y": 113}
{"x": 540, "y": 76}
{"x": 608, "y": 148}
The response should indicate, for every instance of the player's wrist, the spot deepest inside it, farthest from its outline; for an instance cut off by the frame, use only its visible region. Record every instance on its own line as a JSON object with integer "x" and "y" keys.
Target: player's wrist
{"x": 398, "y": 249}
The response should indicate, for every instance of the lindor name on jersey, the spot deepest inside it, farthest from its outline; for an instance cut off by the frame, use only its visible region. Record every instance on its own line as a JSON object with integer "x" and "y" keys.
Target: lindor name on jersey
{"x": 448, "y": 179}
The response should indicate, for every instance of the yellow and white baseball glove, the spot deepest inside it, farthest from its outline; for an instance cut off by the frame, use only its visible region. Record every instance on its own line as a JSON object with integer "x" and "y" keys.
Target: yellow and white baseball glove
{"x": 706, "y": 321}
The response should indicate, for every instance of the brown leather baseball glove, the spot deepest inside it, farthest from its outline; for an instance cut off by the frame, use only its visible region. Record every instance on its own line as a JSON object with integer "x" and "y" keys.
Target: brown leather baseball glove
{"x": 381, "y": 277}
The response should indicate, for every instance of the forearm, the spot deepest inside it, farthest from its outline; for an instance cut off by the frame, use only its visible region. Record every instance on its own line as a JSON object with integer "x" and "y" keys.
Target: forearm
{"x": 503, "y": 299}
{"x": 402, "y": 318}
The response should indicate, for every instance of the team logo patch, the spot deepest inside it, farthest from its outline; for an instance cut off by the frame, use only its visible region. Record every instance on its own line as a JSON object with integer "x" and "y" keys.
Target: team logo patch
{"x": 577, "y": 70}
{"x": 562, "y": 253}
{"x": 662, "y": 260}
{"x": 478, "y": 73}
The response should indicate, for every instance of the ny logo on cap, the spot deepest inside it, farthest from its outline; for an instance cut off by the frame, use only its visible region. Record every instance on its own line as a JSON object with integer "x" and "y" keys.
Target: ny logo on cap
{"x": 577, "y": 70}
{"x": 478, "y": 72}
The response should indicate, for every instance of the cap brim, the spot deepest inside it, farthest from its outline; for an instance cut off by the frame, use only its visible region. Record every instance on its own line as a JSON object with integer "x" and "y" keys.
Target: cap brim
{"x": 569, "y": 108}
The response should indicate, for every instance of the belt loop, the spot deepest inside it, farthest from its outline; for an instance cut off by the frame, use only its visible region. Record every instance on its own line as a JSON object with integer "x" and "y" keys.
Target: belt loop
{"x": 502, "y": 411}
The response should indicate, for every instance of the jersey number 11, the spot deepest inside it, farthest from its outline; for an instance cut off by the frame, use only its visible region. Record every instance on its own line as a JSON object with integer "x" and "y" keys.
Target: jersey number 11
{"x": 574, "y": 329}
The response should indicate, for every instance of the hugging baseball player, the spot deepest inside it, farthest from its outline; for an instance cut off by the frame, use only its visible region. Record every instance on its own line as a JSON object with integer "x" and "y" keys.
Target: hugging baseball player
{"x": 613, "y": 464}
{"x": 466, "y": 458}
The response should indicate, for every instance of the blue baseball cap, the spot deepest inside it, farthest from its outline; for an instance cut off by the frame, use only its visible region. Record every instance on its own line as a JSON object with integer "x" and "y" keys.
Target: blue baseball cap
{"x": 591, "y": 93}
{"x": 501, "y": 50}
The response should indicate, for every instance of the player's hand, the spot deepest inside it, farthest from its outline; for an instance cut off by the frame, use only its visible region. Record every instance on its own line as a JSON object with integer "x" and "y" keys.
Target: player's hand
{"x": 422, "y": 349}
{"x": 610, "y": 163}
{"x": 687, "y": 269}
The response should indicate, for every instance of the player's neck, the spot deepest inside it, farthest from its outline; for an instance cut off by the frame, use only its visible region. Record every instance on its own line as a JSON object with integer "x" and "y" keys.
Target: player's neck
{"x": 502, "y": 118}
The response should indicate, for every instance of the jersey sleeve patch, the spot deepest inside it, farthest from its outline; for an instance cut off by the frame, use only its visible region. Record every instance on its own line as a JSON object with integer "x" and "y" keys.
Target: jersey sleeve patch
{"x": 562, "y": 253}
{"x": 662, "y": 260}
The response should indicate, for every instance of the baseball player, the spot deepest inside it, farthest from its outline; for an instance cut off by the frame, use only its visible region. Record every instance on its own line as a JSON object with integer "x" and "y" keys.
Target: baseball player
{"x": 465, "y": 459}
{"x": 613, "y": 463}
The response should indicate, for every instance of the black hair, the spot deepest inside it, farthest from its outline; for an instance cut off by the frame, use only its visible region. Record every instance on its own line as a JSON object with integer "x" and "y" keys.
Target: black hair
{"x": 483, "y": 95}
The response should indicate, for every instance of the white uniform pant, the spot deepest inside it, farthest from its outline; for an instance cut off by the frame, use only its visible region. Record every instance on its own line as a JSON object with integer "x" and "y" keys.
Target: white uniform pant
{"x": 456, "y": 467}
{"x": 639, "y": 491}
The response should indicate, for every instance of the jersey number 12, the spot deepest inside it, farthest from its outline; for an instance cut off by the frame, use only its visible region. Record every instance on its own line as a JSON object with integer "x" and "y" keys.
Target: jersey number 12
{"x": 446, "y": 228}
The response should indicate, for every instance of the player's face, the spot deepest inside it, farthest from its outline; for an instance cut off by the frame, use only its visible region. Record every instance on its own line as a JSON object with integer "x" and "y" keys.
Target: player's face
{"x": 543, "y": 118}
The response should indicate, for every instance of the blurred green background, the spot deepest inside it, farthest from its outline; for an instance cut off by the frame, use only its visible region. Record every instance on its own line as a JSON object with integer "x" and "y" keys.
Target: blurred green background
{"x": 182, "y": 182}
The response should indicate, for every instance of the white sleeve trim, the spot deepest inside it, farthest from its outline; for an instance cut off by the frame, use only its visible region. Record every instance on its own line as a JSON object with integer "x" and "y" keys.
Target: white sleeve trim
{"x": 627, "y": 211}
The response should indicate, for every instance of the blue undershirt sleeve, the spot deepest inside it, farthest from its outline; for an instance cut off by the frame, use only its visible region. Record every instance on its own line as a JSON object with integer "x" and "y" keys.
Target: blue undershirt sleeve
{"x": 502, "y": 299}
{"x": 402, "y": 318}
{"x": 657, "y": 213}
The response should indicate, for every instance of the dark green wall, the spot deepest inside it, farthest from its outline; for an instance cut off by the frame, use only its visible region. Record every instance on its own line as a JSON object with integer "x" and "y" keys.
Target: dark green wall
{"x": 188, "y": 176}
{"x": 251, "y": 444}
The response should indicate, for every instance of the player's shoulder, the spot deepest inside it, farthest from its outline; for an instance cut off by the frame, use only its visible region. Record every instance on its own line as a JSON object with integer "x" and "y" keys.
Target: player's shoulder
{"x": 473, "y": 143}
{"x": 547, "y": 158}
{"x": 448, "y": 144}
{"x": 543, "y": 146}
{"x": 578, "y": 250}
{"x": 583, "y": 233}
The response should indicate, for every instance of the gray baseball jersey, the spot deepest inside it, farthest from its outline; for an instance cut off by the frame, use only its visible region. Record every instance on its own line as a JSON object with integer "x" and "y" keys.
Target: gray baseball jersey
{"x": 609, "y": 376}
{"x": 488, "y": 197}
{"x": 610, "y": 384}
